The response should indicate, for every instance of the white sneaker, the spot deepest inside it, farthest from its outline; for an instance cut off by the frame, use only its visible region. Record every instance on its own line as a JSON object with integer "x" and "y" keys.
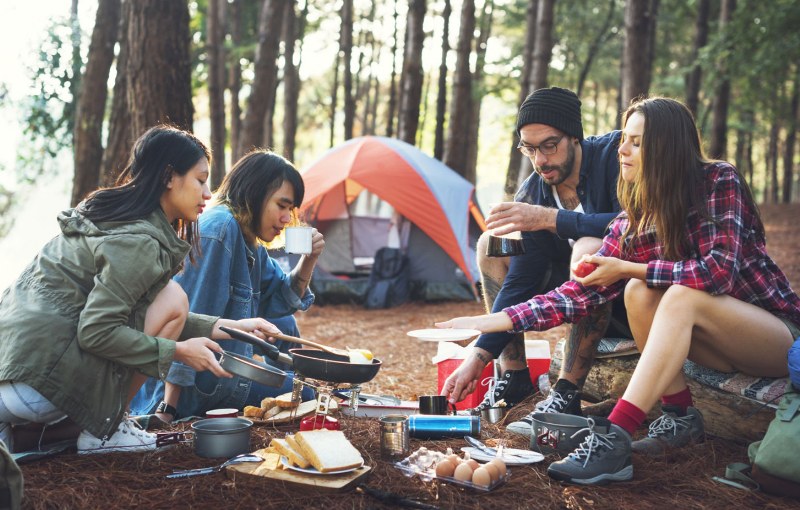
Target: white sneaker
{"x": 129, "y": 437}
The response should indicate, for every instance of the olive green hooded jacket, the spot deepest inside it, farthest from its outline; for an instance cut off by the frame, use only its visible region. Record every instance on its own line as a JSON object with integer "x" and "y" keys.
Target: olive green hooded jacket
{"x": 71, "y": 325}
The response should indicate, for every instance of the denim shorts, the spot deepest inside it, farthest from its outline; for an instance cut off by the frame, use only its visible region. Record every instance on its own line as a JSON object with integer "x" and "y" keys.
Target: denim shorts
{"x": 20, "y": 403}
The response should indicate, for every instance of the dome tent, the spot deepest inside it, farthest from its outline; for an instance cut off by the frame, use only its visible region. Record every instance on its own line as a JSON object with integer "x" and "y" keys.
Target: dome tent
{"x": 371, "y": 192}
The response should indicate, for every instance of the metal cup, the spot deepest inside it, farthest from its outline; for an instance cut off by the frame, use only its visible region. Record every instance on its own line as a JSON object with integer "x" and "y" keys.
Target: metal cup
{"x": 394, "y": 436}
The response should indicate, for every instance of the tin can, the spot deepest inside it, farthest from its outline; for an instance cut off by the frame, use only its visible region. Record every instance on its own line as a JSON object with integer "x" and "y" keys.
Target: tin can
{"x": 430, "y": 426}
{"x": 394, "y": 436}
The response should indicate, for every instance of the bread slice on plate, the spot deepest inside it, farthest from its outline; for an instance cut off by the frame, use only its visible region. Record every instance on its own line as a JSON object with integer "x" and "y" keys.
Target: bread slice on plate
{"x": 328, "y": 450}
{"x": 285, "y": 400}
{"x": 287, "y": 451}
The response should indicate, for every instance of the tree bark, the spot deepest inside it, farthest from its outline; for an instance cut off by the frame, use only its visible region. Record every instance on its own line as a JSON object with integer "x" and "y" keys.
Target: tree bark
{"x": 392, "y": 81}
{"x": 474, "y": 124}
{"x": 694, "y": 78}
{"x": 262, "y": 89}
{"x": 91, "y": 103}
{"x": 159, "y": 68}
{"x": 441, "y": 96}
{"x": 719, "y": 122}
{"x": 215, "y": 49}
{"x": 791, "y": 136}
{"x": 346, "y": 49}
{"x": 235, "y": 77}
{"x": 636, "y": 54}
{"x": 334, "y": 98}
{"x": 457, "y": 147}
{"x": 412, "y": 76}
{"x": 119, "y": 142}
{"x": 540, "y": 65}
{"x": 772, "y": 162}
{"x": 515, "y": 158}
{"x": 291, "y": 80}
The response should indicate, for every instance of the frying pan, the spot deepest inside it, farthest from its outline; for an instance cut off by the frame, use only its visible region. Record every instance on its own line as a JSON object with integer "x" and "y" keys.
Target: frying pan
{"x": 252, "y": 369}
{"x": 313, "y": 363}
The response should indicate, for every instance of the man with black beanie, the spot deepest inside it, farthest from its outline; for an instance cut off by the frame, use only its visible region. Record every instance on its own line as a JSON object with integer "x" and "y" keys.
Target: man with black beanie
{"x": 562, "y": 211}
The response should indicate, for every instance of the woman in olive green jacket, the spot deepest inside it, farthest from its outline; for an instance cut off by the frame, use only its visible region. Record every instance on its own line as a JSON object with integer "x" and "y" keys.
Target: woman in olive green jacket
{"x": 96, "y": 311}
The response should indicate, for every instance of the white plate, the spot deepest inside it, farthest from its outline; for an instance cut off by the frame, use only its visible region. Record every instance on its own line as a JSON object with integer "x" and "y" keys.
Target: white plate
{"x": 519, "y": 457}
{"x": 312, "y": 470}
{"x": 444, "y": 335}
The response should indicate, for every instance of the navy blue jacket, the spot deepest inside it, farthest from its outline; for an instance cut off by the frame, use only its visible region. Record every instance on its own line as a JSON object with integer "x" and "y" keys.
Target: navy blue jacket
{"x": 530, "y": 273}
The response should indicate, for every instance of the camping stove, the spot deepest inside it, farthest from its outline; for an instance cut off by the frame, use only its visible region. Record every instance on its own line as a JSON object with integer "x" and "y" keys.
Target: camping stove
{"x": 324, "y": 390}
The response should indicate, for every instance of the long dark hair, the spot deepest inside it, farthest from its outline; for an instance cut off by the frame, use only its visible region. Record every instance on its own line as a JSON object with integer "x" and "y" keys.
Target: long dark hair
{"x": 161, "y": 152}
{"x": 251, "y": 181}
{"x": 671, "y": 180}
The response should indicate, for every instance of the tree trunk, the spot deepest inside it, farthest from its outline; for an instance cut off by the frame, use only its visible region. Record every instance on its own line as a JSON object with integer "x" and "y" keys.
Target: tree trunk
{"x": 365, "y": 90}
{"x": 636, "y": 53}
{"x": 334, "y": 97}
{"x": 719, "y": 122}
{"x": 602, "y": 37}
{"x": 441, "y": 96}
{"x": 772, "y": 161}
{"x": 346, "y": 49}
{"x": 791, "y": 134}
{"x": 291, "y": 79}
{"x": 392, "y": 82}
{"x": 262, "y": 89}
{"x": 235, "y": 77}
{"x": 70, "y": 109}
{"x": 412, "y": 77}
{"x": 515, "y": 158}
{"x": 159, "y": 68}
{"x": 91, "y": 108}
{"x": 118, "y": 144}
{"x": 694, "y": 78}
{"x": 543, "y": 49}
{"x": 457, "y": 147}
{"x": 215, "y": 49}
{"x": 542, "y": 53}
{"x": 474, "y": 124}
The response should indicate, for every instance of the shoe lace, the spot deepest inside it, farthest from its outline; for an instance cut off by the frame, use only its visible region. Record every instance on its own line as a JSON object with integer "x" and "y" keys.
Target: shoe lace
{"x": 132, "y": 427}
{"x": 554, "y": 403}
{"x": 592, "y": 442}
{"x": 496, "y": 387}
{"x": 668, "y": 423}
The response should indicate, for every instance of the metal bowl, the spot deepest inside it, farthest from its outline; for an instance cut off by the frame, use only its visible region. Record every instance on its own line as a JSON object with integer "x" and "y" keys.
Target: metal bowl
{"x": 221, "y": 437}
{"x": 494, "y": 414}
{"x": 556, "y": 433}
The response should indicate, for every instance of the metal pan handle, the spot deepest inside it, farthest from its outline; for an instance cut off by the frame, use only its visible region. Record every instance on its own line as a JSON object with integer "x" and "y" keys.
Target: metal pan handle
{"x": 267, "y": 348}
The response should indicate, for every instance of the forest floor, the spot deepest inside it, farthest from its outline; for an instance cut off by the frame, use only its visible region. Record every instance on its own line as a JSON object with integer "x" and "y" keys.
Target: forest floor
{"x": 680, "y": 480}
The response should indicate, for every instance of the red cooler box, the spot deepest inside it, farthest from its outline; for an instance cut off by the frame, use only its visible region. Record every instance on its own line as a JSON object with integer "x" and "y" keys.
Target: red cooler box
{"x": 537, "y": 353}
{"x": 448, "y": 366}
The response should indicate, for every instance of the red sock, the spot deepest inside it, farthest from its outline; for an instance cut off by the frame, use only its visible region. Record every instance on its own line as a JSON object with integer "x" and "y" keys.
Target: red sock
{"x": 682, "y": 399}
{"x": 627, "y": 416}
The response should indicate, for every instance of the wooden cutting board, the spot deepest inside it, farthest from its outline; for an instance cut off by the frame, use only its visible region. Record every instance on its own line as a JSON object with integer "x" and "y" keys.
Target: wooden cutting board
{"x": 327, "y": 483}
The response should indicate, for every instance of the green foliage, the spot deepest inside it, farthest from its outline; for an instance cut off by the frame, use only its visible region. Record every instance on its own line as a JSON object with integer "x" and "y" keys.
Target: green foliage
{"x": 49, "y": 109}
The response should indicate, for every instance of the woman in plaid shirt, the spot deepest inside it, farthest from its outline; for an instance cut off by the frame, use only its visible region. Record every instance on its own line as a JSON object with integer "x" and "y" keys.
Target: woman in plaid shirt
{"x": 689, "y": 253}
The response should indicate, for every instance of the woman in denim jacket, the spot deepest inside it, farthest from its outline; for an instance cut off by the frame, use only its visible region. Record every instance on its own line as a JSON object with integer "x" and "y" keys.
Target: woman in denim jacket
{"x": 235, "y": 278}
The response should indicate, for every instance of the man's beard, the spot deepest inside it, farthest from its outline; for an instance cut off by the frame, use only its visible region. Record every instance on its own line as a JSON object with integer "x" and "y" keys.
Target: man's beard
{"x": 563, "y": 170}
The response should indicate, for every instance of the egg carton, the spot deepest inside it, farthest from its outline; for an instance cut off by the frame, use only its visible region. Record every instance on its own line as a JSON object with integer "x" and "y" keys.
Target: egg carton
{"x": 426, "y": 473}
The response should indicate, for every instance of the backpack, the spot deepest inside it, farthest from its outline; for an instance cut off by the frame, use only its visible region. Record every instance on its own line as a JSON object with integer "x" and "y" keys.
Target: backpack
{"x": 389, "y": 281}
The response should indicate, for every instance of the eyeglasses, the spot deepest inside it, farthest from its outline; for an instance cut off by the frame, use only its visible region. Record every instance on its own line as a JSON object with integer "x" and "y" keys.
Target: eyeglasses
{"x": 546, "y": 148}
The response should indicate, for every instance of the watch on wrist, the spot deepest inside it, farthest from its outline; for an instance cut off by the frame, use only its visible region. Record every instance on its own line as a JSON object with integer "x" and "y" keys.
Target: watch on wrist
{"x": 165, "y": 408}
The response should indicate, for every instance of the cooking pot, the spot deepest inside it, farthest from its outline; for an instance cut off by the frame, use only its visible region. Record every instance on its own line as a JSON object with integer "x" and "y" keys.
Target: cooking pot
{"x": 313, "y": 363}
{"x": 252, "y": 369}
{"x": 221, "y": 437}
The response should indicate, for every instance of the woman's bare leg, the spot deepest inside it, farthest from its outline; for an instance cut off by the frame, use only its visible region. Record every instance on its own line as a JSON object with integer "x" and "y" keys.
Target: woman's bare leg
{"x": 165, "y": 318}
{"x": 718, "y": 332}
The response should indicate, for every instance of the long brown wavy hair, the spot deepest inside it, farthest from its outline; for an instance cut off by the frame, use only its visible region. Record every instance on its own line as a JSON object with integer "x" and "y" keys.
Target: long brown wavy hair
{"x": 670, "y": 183}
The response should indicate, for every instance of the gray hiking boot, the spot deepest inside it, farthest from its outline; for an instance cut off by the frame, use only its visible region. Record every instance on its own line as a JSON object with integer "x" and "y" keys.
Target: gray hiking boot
{"x": 672, "y": 431}
{"x": 514, "y": 387}
{"x": 603, "y": 457}
{"x": 563, "y": 401}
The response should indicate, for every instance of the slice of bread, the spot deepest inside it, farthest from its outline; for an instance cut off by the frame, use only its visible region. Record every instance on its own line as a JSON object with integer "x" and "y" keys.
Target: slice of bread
{"x": 328, "y": 450}
{"x": 268, "y": 403}
{"x": 253, "y": 412}
{"x": 285, "y": 400}
{"x": 283, "y": 447}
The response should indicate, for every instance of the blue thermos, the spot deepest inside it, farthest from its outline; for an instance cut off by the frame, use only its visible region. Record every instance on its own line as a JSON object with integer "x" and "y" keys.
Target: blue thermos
{"x": 433, "y": 426}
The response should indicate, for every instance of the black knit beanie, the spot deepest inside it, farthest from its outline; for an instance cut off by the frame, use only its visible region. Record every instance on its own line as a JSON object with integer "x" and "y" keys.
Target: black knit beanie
{"x": 555, "y": 107}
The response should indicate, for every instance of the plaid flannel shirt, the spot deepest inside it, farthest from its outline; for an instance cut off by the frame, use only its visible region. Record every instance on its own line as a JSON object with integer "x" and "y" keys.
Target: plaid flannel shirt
{"x": 729, "y": 256}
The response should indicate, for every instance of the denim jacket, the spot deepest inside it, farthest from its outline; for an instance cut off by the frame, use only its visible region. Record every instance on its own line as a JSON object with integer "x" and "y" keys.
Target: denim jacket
{"x": 239, "y": 281}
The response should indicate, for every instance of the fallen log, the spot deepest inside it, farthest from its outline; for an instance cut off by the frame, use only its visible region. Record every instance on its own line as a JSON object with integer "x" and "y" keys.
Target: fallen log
{"x": 726, "y": 415}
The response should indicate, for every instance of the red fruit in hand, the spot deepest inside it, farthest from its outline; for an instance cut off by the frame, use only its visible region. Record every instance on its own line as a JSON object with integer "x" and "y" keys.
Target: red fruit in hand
{"x": 584, "y": 269}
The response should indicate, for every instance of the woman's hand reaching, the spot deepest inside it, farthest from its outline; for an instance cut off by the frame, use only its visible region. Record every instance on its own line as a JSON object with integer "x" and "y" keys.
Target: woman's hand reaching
{"x": 609, "y": 270}
{"x": 198, "y": 353}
